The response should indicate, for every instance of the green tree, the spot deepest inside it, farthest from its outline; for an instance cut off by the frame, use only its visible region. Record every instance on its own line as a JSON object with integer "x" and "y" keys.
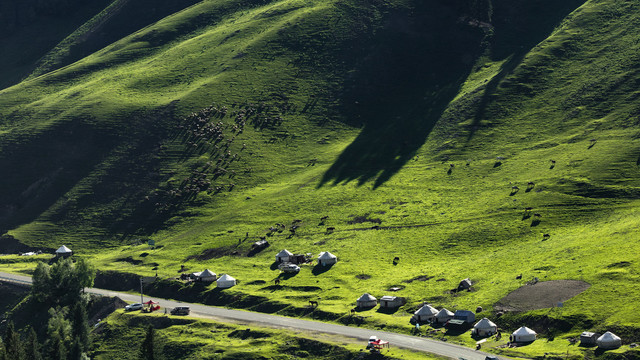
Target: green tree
{"x": 12, "y": 343}
{"x": 58, "y": 334}
{"x": 56, "y": 349}
{"x": 63, "y": 282}
{"x": 41, "y": 282}
{"x": 80, "y": 325}
{"x": 32, "y": 346}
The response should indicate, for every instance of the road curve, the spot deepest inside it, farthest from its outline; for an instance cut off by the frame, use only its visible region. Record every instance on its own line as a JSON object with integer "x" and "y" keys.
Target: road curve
{"x": 399, "y": 340}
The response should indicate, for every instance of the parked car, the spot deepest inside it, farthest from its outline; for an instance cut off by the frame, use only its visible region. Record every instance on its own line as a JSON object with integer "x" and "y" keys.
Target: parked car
{"x": 491, "y": 357}
{"x": 133, "y": 307}
{"x": 180, "y": 310}
{"x": 289, "y": 268}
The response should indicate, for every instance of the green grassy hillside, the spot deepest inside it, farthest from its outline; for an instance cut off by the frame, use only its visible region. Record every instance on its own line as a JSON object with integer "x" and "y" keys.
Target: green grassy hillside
{"x": 407, "y": 123}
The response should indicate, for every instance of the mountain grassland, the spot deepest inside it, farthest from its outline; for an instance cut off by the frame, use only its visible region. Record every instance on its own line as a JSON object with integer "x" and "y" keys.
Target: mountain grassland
{"x": 381, "y": 129}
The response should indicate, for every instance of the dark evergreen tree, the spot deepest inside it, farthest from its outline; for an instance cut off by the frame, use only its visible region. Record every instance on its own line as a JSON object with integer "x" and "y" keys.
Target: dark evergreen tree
{"x": 12, "y": 343}
{"x": 56, "y": 350}
{"x": 32, "y": 346}
{"x": 76, "y": 351}
{"x": 80, "y": 325}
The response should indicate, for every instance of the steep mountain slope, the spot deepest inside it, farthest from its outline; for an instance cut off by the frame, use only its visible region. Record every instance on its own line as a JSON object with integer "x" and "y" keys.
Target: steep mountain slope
{"x": 407, "y": 123}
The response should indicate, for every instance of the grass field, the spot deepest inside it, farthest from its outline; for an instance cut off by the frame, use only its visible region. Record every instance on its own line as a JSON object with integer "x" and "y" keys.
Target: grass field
{"x": 367, "y": 114}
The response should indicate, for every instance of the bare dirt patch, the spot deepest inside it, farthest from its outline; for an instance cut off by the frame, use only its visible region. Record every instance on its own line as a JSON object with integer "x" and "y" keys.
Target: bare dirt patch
{"x": 542, "y": 295}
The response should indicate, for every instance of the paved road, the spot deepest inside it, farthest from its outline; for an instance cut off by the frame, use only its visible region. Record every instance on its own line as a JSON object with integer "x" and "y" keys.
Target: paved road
{"x": 403, "y": 341}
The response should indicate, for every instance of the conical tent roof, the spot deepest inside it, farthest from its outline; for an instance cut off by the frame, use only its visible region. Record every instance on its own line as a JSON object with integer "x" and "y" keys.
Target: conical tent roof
{"x": 63, "y": 250}
{"x": 226, "y": 277}
{"x": 327, "y": 256}
{"x": 426, "y": 310}
{"x": 609, "y": 338}
{"x": 284, "y": 252}
{"x": 444, "y": 313}
{"x": 524, "y": 331}
{"x": 207, "y": 273}
{"x": 485, "y": 324}
{"x": 367, "y": 297}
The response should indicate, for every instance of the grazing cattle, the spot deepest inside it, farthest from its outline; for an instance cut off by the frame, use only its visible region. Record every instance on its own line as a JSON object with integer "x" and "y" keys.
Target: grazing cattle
{"x": 395, "y": 260}
{"x": 353, "y": 311}
{"x": 546, "y": 236}
{"x": 330, "y": 229}
{"x": 537, "y": 215}
{"x": 313, "y": 303}
{"x": 528, "y": 208}
{"x": 324, "y": 218}
{"x": 478, "y": 309}
{"x": 519, "y": 277}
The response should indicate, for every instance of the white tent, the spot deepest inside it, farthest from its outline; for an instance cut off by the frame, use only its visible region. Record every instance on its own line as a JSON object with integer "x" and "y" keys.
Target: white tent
{"x": 425, "y": 313}
{"x": 63, "y": 251}
{"x": 524, "y": 334}
{"x": 485, "y": 327}
{"x": 225, "y": 281}
{"x": 366, "y": 300}
{"x": 283, "y": 256}
{"x": 207, "y": 276}
{"x": 327, "y": 258}
{"x": 443, "y": 316}
{"x": 609, "y": 340}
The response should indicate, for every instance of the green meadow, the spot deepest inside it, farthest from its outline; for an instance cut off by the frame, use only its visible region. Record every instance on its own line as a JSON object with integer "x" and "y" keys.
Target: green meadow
{"x": 405, "y": 125}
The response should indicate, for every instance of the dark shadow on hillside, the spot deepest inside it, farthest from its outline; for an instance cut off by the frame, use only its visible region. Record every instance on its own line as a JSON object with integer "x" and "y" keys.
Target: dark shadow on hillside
{"x": 321, "y": 269}
{"x": 402, "y": 82}
{"x": 519, "y": 25}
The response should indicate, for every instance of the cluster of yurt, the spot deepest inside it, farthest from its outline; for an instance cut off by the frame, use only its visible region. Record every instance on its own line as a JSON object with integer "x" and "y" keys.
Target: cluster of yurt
{"x": 225, "y": 281}
{"x": 326, "y": 258}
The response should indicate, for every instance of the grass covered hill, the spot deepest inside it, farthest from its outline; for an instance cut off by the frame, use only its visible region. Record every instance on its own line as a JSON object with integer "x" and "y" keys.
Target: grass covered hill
{"x": 418, "y": 130}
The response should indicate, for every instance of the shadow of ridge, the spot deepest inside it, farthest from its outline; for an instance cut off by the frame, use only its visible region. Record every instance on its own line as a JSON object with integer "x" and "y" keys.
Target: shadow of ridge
{"x": 381, "y": 150}
{"x": 516, "y": 33}
{"x": 400, "y": 84}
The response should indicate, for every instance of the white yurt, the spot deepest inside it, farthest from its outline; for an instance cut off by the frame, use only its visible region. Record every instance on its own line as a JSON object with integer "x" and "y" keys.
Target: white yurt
{"x": 425, "y": 313}
{"x": 327, "y": 258}
{"x": 443, "y": 316}
{"x": 523, "y": 335}
{"x": 207, "y": 276}
{"x": 63, "y": 251}
{"x": 609, "y": 340}
{"x": 283, "y": 256}
{"x": 225, "y": 281}
{"x": 485, "y": 327}
{"x": 366, "y": 300}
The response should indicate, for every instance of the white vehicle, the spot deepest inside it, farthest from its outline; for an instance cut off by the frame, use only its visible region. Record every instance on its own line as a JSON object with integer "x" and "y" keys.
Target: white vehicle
{"x": 133, "y": 307}
{"x": 289, "y": 268}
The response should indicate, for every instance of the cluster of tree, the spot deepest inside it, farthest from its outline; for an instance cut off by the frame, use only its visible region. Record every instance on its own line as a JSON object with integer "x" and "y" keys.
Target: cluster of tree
{"x": 67, "y": 338}
{"x": 63, "y": 282}
{"x": 60, "y": 285}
